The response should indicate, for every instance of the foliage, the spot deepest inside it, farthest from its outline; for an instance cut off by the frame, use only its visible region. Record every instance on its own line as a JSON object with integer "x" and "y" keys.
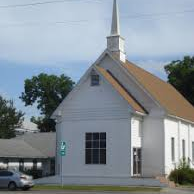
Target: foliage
{"x": 183, "y": 174}
{"x": 35, "y": 173}
{"x": 10, "y": 118}
{"x": 97, "y": 188}
{"x": 181, "y": 76}
{"x": 47, "y": 92}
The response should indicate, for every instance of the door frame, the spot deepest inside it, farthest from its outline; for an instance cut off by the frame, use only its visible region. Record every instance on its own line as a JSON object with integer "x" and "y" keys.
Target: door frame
{"x": 138, "y": 162}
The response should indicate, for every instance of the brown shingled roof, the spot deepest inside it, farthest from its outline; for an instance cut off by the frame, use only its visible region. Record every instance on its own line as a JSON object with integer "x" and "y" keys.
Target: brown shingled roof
{"x": 165, "y": 94}
{"x": 135, "y": 105}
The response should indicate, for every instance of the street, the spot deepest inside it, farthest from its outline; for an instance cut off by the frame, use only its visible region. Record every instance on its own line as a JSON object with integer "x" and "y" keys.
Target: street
{"x": 165, "y": 191}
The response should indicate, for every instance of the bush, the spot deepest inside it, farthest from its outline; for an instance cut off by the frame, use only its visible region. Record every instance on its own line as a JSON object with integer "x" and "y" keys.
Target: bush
{"x": 34, "y": 173}
{"x": 183, "y": 174}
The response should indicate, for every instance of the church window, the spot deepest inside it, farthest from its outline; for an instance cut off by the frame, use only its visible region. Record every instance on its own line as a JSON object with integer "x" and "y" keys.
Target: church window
{"x": 95, "y": 148}
{"x": 183, "y": 148}
{"x": 172, "y": 149}
{"x": 95, "y": 79}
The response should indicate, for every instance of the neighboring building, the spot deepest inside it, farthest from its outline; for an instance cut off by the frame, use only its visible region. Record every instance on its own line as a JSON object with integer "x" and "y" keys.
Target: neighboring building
{"x": 121, "y": 121}
{"x": 27, "y": 127}
{"x": 30, "y": 151}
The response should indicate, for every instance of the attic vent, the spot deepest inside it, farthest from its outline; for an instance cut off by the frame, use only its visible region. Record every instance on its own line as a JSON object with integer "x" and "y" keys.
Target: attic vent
{"x": 95, "y": 79}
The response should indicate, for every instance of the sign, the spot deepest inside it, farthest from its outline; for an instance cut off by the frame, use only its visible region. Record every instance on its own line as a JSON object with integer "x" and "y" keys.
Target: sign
{"x": 63, "y": 148}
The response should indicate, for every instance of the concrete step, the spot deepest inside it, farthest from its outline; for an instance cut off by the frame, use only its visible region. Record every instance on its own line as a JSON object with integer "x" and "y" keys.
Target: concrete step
{"x": 164, "y": 180}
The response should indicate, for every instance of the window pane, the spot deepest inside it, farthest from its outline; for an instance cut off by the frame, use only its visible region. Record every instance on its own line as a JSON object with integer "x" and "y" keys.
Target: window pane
{"x": 172, "y": 149}
{"x": 95, "y": 156}
{"x": 96, "y": 144}
{"x": 95, "y": 136}
{"x": 183, "y": 147}
{"x": 102, "y": 144}
{"x": 193, "y": 151}
{"x": 1, "y": 173}
{"x": 95, "y": 151}
{"x": 95, "y": 79}
{"x": 88, "y": 144}
{"x": 88, "y": 136}
{"x": 103, "y": 136}
{"x": 102, "y": 156}
{"x": 6, "y": 173}
{"x": 88, "y": 156}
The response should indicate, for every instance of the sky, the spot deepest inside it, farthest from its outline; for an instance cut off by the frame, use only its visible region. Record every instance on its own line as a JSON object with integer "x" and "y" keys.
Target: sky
{"x": 67, "y": 36}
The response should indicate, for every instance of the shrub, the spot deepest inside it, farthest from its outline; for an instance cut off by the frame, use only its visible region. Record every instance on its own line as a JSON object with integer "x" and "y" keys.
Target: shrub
{"x": 34, "y": 173}
{"x": 183, "y": 174}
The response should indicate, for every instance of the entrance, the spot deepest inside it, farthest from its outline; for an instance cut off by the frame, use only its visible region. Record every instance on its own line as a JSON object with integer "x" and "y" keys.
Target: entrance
{"x": 136, "y": 161}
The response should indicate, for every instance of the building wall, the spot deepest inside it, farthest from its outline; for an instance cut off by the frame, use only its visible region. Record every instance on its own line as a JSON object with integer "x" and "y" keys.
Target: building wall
{"x": 95, "y": 109}
{"x": 152, "y": 146}
{"x": 178, "y": 130}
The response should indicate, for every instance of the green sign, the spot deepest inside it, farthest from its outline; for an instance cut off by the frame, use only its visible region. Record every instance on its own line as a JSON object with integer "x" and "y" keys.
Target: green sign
{"x": 63, "y": 148}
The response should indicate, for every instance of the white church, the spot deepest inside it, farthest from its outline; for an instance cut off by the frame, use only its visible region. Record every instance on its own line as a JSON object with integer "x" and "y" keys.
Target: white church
{"x": 121, "y": 124}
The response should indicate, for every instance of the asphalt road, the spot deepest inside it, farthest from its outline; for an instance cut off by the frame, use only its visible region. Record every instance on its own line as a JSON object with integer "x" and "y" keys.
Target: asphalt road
{"x": 165, "y": 191}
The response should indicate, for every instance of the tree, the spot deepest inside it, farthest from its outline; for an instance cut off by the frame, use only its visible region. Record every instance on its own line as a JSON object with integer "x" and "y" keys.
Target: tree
{"x": 10, "y": 119}
{"x": 47, "y": 92}
{"x": 181, "y": 76}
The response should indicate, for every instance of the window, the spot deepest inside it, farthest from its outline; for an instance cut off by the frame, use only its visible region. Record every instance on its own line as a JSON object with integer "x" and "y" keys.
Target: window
{"x": 172, "y": 149}
{"x": 95, "y": 79}
{"x": 193, "y": 151}
{"x": 35, "y": 164}
{"x": 6, "y": 173}
{"x": 183, "y": 148}
{"x": 21, "y": 165}
{"x": 95, "y": 144}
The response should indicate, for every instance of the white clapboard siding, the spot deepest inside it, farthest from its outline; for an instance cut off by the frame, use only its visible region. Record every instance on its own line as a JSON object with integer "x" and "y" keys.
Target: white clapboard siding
{"x": 136, "y": 132}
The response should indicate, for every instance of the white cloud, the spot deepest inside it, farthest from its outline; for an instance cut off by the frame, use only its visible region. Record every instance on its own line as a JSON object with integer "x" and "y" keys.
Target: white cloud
{"x": 43, "y": 43}
{"x": 150, "y": 41}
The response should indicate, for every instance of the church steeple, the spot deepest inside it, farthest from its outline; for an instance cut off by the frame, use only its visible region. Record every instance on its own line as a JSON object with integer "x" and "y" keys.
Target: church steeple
{"x": 115, "y": 43}
{"x": 115, "y": 30}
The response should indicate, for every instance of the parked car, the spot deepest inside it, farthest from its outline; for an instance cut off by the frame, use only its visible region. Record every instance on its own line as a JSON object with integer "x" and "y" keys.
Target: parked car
{"x": 13, "y": 180}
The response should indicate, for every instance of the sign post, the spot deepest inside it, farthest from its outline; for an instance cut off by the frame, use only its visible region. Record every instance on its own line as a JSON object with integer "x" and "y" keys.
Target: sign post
{"x": 62, "y": 153}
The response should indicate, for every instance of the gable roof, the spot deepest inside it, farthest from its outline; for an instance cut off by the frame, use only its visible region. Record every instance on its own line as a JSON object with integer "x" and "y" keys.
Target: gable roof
{"x": 162, "y": 92}
{"x": 121, "y": 90}
{"x": 165, "y": 94}
{"x": 43, "y": 142}
{"x": 13, "y": 148}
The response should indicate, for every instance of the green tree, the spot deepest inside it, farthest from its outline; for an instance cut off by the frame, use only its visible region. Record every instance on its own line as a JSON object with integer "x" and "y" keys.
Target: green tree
{"x": 10, "y": 118}
{"x": 181, "y": 76}
{"x": 46, "y": 92}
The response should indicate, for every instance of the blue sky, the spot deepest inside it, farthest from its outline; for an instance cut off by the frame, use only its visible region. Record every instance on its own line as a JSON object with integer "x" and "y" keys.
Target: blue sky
{"x": 67, "y": 37}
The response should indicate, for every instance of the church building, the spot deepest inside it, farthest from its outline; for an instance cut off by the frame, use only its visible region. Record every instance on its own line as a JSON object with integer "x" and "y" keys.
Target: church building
{"x": 122, "y": 124}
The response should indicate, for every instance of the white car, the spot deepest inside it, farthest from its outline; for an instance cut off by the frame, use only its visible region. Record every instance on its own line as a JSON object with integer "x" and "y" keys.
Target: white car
{"x": 13, "y": 180}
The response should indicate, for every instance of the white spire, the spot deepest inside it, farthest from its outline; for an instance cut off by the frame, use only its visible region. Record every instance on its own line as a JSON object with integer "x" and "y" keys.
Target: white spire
{"x": 115, "y": 43}
{"x": 115, "y": 30}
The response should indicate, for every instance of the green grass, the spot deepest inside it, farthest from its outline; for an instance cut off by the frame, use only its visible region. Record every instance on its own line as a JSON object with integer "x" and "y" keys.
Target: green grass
{"x": 97, "y": 188}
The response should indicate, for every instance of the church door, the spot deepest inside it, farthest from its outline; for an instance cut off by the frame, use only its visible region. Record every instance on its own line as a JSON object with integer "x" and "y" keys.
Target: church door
{"x": 136, "y": 161}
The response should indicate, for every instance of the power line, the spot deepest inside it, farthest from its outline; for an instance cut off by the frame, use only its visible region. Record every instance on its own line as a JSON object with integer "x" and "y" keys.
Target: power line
{"x": 158, "y": 14}
{"x": 45, "y": 2}
{"x": 77, "y": 22}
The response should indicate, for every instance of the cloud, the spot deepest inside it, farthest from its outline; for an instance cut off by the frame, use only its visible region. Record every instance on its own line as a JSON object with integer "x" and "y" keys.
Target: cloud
{"x": 42, "y": 42}
{"x": 30, "y": 36}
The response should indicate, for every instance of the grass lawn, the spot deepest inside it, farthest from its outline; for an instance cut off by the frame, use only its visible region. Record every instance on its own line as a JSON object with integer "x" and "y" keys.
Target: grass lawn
{"x": 96, "y": 188}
